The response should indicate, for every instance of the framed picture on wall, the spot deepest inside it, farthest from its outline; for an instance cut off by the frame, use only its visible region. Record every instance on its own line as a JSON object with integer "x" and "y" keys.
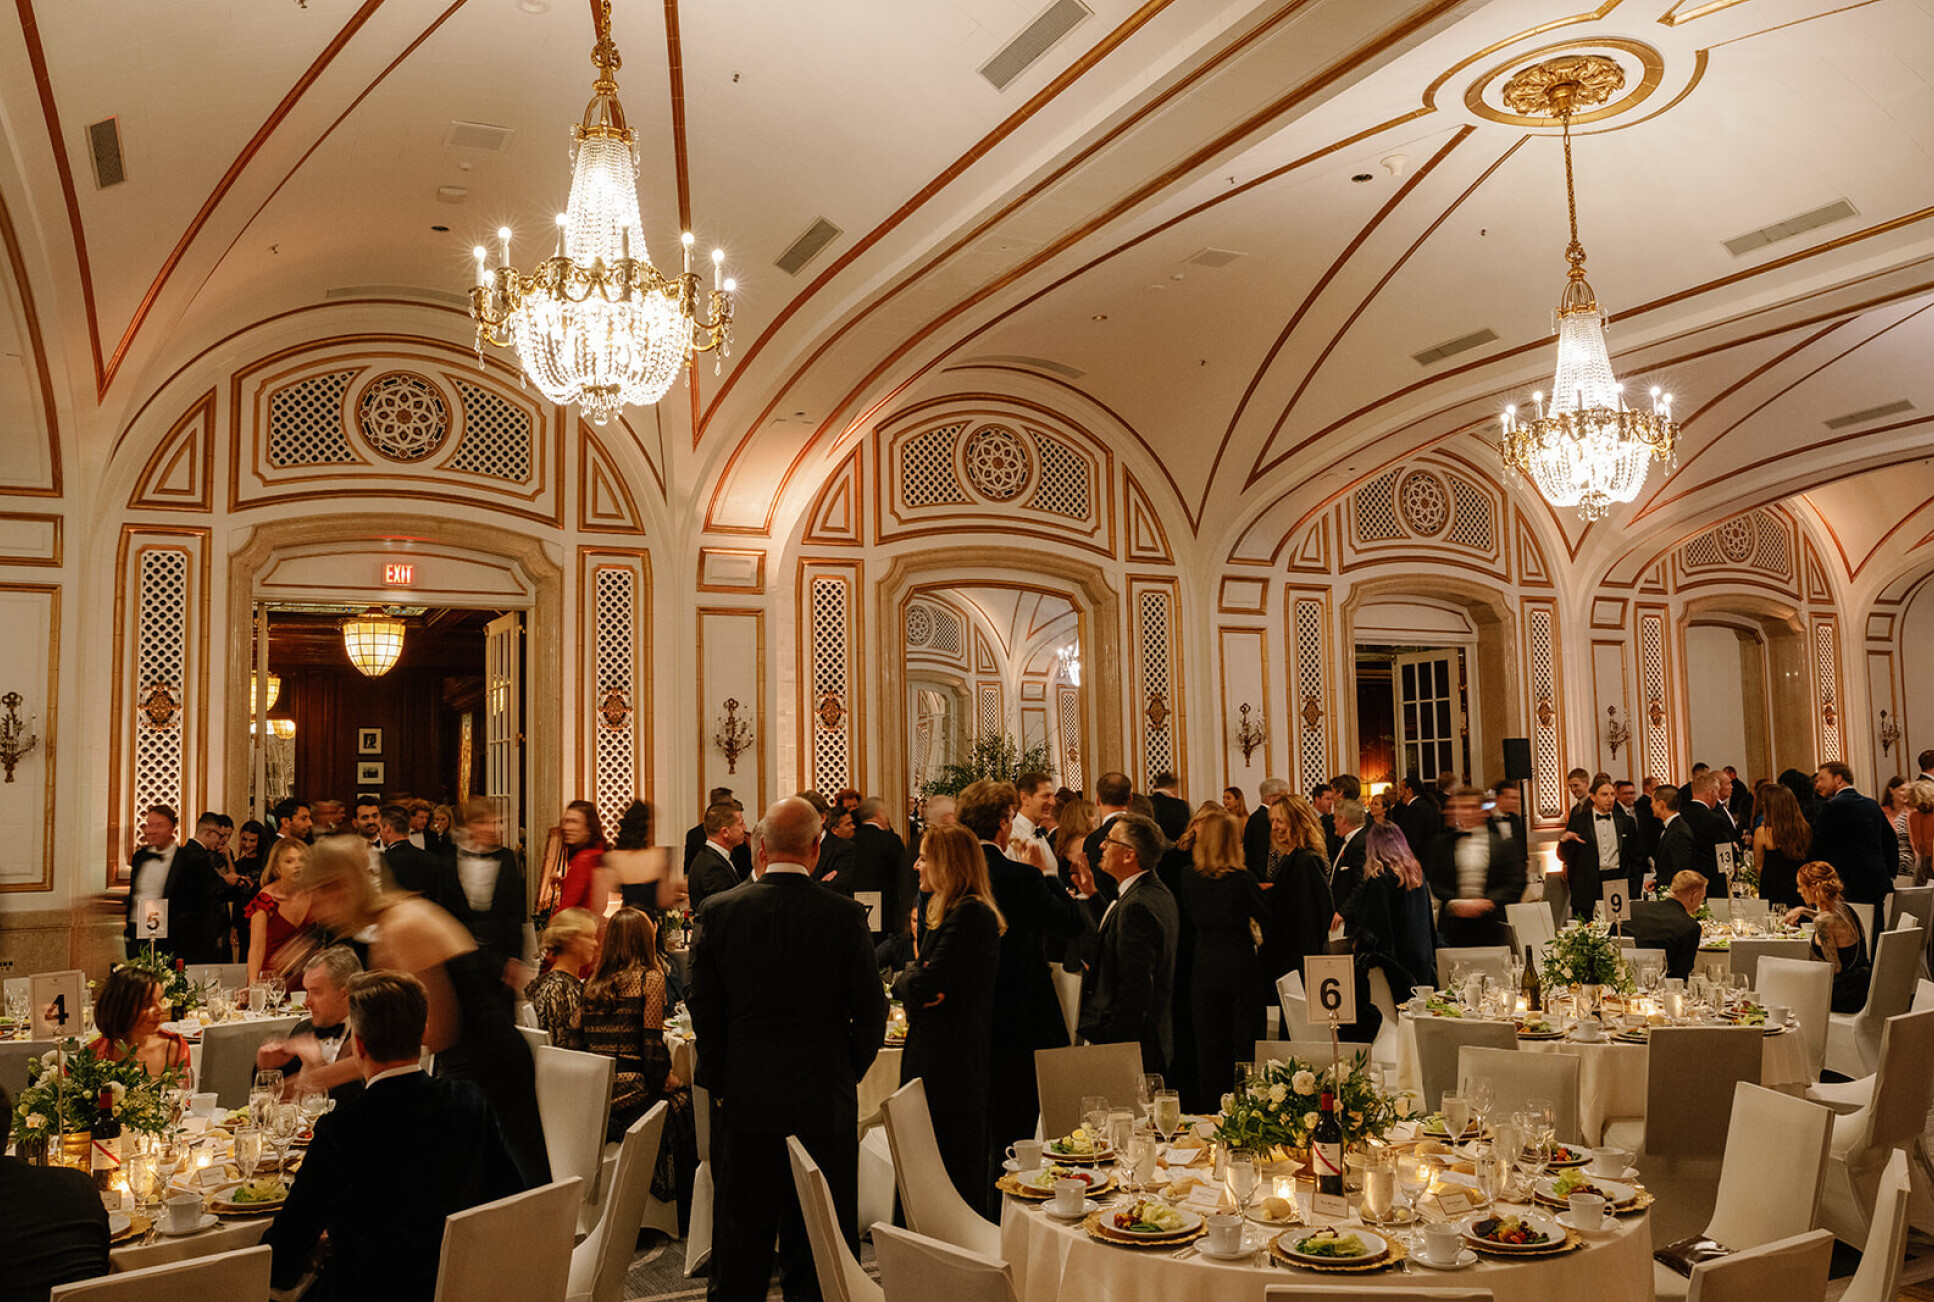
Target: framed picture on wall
{"x": 369, "y": 741}
{"x": 369, "y": 773}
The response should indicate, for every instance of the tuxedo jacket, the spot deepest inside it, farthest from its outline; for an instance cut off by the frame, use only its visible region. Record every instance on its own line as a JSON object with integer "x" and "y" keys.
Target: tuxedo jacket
{"x": 1346, "y": 876}
{"x": 709, "y": 873}
{"x": 1126, "y": 995}
{"x": 1665, "y": 924}
{"x": 1503, "y": 884}
{"x": 1040, "y": 914}
{"x": 1677, "y": 851}
{"x": 786, "y": 1004}
{"x": 741, "y": 853}
{"x": 53, "y": 1229}
{"x": 1255, "y": 842}
{"x": 1584, "y": 872}
{"x": 382, "y": 1173}
{"x": 1420, "y": 821}
{"x": 198, "y": 916}
{"x": 1740, "y": 803}
{"x": 1171, "y": 814}
{"x": 415, "y": 870}
{"x": 498, "y": 927}
{"x": 835, "y": 865}
{"x": 877, "y": 855}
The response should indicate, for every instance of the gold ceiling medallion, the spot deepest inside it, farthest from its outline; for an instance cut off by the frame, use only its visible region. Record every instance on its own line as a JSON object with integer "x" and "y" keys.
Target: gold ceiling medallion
{"x": 1615, "y": 76}
{"x": 1571, "y": 83}
{"x": 159, "y": 704}
{"x": 615, "y": 710}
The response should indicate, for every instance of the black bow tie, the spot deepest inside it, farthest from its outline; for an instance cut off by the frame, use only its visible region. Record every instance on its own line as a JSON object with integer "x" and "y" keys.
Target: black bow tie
{"x": 1603, "y": 818}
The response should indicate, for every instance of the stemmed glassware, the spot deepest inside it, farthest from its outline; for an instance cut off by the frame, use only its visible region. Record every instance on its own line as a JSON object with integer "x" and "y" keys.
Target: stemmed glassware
{"x": 1413, "y": 1177}
{"x": 1141, "y": 1156}
{"x": 1147, "y": 1086}
{"x": 1536, "y": 1157}
{"x": 248, "y": 1150}
{"x": 140, "y": 1171}
{"x": 1482, "y": 1094}
{"x": 1457, "y": 1115}
{"x": 1094, "y": 1117}
{"x": 1379, "y": 1184}
{"x": 1242, "y": 1178}
{"x": 1508, "y": 1144}
{"x": 1168, "y": 1113}
{"x": 285, "y": 1121}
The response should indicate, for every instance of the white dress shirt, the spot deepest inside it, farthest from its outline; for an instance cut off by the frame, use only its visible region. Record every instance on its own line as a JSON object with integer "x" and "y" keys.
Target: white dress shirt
{"x": 151, "y": 879}
{"x": 1607, "y": 831}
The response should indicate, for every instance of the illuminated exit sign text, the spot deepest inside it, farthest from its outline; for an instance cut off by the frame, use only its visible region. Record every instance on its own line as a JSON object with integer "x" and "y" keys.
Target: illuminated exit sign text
{"x": 401, "y": 575}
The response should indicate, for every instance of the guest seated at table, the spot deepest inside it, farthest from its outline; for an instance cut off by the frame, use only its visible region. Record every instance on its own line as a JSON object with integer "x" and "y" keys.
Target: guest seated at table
{"x": 386, "y": 1169}
{"x": 623, "y": 1017}
{"x": 568, "y": 950}
{"x": 280, "y": 934}
{"x": 1669, "y": 925}
{"x": 128, "y": 1013}
{"x": 313, "y": 1054}
{"x": 53, "y": 1228}
{"x": 1838, "y": 937}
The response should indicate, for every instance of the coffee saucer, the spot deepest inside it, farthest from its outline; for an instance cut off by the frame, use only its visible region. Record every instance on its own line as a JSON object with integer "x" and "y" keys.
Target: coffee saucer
{"x": 208, "y": 1221}
{"x": 1610, "y": 1222}
{"x": 1251, "y": 1245}
{"x": 1465, "y": 1257}
{"x": 1087, "y": 1205}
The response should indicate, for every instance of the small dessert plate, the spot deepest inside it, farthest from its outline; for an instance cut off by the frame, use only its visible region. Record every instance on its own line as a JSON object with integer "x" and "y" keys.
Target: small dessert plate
{"x": 1465, "y": 1258}
{"x": 1087, "y": 1205}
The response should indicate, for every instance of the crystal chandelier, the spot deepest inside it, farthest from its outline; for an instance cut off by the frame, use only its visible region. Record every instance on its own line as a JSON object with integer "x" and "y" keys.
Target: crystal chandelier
{"x": 1585, "y": 447}
{"x": 374, "y": 640}
{"x": 597, "y": 324}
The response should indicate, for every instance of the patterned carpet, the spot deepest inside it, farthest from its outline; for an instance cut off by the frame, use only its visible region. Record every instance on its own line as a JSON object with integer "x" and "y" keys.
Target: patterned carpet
{"x": 657, "y": 1273}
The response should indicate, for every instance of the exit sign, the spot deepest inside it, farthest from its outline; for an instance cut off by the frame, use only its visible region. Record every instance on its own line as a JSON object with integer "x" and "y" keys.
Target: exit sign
{"x": 399, "y": 574}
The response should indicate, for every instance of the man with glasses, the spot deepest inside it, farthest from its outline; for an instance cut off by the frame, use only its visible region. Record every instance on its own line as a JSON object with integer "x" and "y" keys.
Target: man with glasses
{"x": 1126, "y": 994}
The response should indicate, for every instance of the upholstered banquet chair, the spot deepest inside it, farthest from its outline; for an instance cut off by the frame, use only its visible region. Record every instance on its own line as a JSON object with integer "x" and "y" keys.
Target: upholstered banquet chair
{"x": 927, "y": 1195}
{"x": 1689, "y": 1075}
{"x": 1806, "y": 987}
{"x": 1878, "y": 1279}
{"x": 241, "y": 1276}
{"x": 511, "y": 1250}
{"x": 915, "y": 1268}
{"x": 598, "y": 1264}
{"x": 228, "y": 1057}
{"x": 1517, "y": 1077}
{"x": 1493, "y": 960}
{"x": 1438, "y": 1041}
{"x": 1530, "y": 926}
{"x": 1745, "y": 954}
{"x": 1853, "y": 1039}
{"x": 1891, "y": 1121}
{"x": 840, "y": 1277}
{"x": 1792, "y": 1270}
{"x": 1379, "y": 1293}
{"x": 574, "y": 1105}
{"x": 1066, "y": 1076}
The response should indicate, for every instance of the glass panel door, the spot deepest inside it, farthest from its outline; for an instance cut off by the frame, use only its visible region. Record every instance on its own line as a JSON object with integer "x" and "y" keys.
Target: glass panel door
{"x": 504, "y": 723}
{"x": 1430, "y": 713}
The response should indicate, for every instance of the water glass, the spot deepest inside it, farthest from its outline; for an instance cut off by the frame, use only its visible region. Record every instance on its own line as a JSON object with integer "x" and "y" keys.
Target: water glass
{"x": 1242, "y": 1177}
{"x": 1413, "y": 1177}
{"x": 1457, "y": 1115}
{"x": 1379, "y": 1183}
{"x": 1168, "y": 1112}
{"x": 1141, "y": 1156}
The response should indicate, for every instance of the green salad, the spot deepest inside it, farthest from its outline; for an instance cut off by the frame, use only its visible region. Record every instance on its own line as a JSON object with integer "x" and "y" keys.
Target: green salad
{"x": 1442, "y": 1008}
{"x": 261, "y": 1191}
{"x": 1146, "y": 1216}
{"x": 1329, "y": 1243}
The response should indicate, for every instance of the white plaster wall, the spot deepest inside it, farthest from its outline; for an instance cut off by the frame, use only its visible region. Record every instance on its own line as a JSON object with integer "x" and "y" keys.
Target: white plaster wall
{"x": 1716, "y": 696}
{"x": 1917, "y": 636}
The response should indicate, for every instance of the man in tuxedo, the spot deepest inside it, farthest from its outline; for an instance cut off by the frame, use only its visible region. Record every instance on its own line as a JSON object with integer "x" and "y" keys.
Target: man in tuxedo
{"x": 1926, "y": 762}
{"x": 1640, "y": 812}
{"x": 484, "y": 890}
{"x": 874, "y": 877}
{"x": 1853, "y": 835}
{"x": 1710, "y": 828}
{"x": 1346, "y": 865}
{"x": 1171, "y": 811}
{"x": 292, "y": 819}
{"x": 835, "y": 852}
{"x": 1668, "y": 924}
{"x": 1677, "y": 849}
{"x": 1126, "y": 995}
{"x": 182, "y": 874}
{"x": 1727, "y": 793}
{"x": 1599, "y": 844}
{"x": 710, "y": 871}
{"x": 409, "y": 869}
{"x": 1113, "y": 794}
{"x": 385, "y": 1170}
{"x": 1739, "y": 798}
{"x": 1416, "y": 815}
{"x": 212, "y": 830}
{"x": 789, "y": 1014}
{"x": 1036, "y": 791}
{"x": 695, "y": 838}
{"x": 314, "y": 1051}
{"x": 1507, "y": 811}
{"x": 1475, "y": 873}
{"x": 1255, "y": 833}
{"x": 422, "y": 835}
{"x": 1322, "y": 798}
{"x": 53, "y": 1228}
{"x": 329, "y": 817}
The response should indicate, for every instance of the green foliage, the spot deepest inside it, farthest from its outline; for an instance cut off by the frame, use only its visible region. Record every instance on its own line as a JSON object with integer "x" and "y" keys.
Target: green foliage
{"x": 993, "y": 756}
{"x": 64, "y": 1090}
{"x": 172, "y": 972}
{"x": 1584, "y": 954}
{"x": 1278, "y": 1108}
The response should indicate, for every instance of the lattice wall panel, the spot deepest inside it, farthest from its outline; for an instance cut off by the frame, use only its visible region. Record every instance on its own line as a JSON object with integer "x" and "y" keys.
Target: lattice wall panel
{"x": 830, "y": 636}
{"x": 1063, "y": 484}
{"x": 989, "y": 719}
{"x": 927, "y": 475}
{"x": 160, "y": 680}
{"x": 1826, "y": 671}
{"x": 306, "y": 422}
{"x": 1376, "y": 509}
{"x": 1068, "y": 715}
{"x": 496, "y": 436}
{"x": 615, "y": 698}
{"x": 1547, "y": 766}
{"x": 1309, "y": 692}
{"x": 1154, "y": 643}
{"x": 1653, "y": 696}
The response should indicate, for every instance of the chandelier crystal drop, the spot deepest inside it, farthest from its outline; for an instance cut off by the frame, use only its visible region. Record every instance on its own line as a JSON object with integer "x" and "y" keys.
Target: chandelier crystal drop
{"x": 597, "y": 324}
{"x": 374, "y": 641}
{"x": 1584, "y": 448}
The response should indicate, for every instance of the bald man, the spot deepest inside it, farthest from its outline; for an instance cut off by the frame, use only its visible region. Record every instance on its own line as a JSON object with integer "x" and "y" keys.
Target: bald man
{"x": 788, "y": 1005}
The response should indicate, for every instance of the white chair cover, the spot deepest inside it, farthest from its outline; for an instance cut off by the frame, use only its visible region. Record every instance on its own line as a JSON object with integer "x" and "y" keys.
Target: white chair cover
{"x": 1295, "y": 1005}
{"x": 598, "y": 1264}
{"x": 14, "y": 1057}
{"x": 1066, "y": 1076}
{"x": 933, "y": 1206}
{"x": 1806, "y": 987}
{"x": 915, "y": 1268}
{"x": 1516, "y": 1077}
{"x": 1067, "y": 991}
{"x": 526, "y": 1013}
{"x": 840, "y": 1276}
{"x": 534, "y": 1037}
{"x": 1494, "y": 959}
{"x": 698, "y": 1231}
{"x": 1865, "y": 912}
{"x": 1384, "y": 999}
{"x": 1438, "y": 1041}
{"x": 1531, "y": 925}
{"x": 1690, "y": 1072}
{"x": 1853, "y": 1039}
{"x": 1747, "y": 953}
{"x": 876, "y": 1182}
{"x": 225, "y": 1277}
{"x": 512, "y": 1250}
{"x": 574, "y": 1105}
{"x": 228, "y": 1057}
{"x": 1892, "y": 1120}
{"x": 229, "y": 976}
{"x": 1912, "y": 901}
{"x": 1792, "y": 1270}
{"x": 1878, "y": 1279}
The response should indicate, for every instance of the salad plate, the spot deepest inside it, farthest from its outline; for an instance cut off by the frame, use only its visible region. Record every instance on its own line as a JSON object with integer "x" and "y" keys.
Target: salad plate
{"x": 1079, "y": 1147}
{"x": 1557, "y": 1190}
{"x": 249, "y": 1198}
{"x": 1147, "y": 1220}
{"x": 1515, "y": 1236}
{"x": 1040, "y": 1184}
{"x": 1334, "y": 1245}
{"x": 1566, "y": 1155}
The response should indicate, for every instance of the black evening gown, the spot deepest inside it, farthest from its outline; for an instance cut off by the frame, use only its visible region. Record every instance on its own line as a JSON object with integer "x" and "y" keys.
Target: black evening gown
{"x": 1224, "y": 974}
{"x": 948, "y": 1044}
{"x": 490, "y": 1052}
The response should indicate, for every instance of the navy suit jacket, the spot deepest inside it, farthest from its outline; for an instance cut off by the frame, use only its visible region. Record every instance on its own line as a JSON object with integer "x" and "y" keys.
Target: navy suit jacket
{"x": 1126, "y": 997}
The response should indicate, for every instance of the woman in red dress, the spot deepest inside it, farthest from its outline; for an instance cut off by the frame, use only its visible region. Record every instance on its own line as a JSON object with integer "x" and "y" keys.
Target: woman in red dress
{"x": 128, "y": 1013}
{"x": 586, "y": 885}
{"x": 279, "y": 929}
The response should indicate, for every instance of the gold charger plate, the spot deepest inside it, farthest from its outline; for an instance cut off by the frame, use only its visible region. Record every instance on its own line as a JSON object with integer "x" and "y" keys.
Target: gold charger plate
{"x": 1638, "y": 1203}
{"x": 1010, "y": 1183}
{"x": 138, "y": 1225}
{"x": 1391, "y": 1256}
{"x": 1573, "y": 1241}
{"x": 1092, "y": 1224}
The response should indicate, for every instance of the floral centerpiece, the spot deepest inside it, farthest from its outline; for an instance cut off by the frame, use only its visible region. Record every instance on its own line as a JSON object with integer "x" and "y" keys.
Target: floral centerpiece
{"x": 63, "y": 1095}
{"x": 176, "y": 989}
{"x": 1278, "y": 1107}
{"x": 1585, "y": 958}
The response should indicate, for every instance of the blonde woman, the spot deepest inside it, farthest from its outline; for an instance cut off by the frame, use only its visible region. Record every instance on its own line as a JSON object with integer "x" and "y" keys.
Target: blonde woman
{"x": 948, "y": 993}
{"x": 471, "y": 1028}
{"x": 1226, "y": 911}
{"x": 1920, "y": 828}
{"x": 1838, "y": 937}
{"x": 1300, "y": 904}
{"x": 567, "y": 953}
{"x": 280, "y": 933}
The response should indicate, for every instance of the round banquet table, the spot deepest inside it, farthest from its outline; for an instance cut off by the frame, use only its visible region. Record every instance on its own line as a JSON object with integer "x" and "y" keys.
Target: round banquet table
{"x": 1611, "y": 1076}
{"x": 1056, "y": 1261}
{"x": 876, "y": 1087}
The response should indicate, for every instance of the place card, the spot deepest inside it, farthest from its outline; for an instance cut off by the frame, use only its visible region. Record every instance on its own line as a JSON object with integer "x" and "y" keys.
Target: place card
{"x": 1204, "y": 1198}
{"x": 1334, "y": 1205}
{"x": 1181, "y": 1156}
{"x": 1453, "y": 1202}
{"x": 210, "y": 1176}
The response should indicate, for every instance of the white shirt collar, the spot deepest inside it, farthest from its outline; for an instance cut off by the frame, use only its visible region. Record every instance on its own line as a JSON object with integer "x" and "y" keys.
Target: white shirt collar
{"x": 798, "y": 868}
{"x": 1132, "y": 883}
{"x": 393, "y": 1071}
{"x": 716, "y": 846}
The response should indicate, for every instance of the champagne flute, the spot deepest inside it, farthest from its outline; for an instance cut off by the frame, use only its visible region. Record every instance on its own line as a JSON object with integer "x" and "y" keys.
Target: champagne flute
{"x": 1168, "y": 1113}
{"x": 248, "y": 1150}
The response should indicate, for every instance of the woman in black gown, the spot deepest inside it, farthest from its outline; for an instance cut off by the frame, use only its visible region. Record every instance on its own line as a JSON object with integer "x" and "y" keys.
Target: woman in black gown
{"x": 1226, "y": 911}
{"x": 1300, "y": 905}
{"x": 1780, "y": 845}
{"x": 948, "y": 992}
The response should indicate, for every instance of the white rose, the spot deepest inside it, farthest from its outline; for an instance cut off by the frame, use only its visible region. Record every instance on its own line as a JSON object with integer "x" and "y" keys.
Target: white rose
{"x": 1277, "y": 1093}
{"x": 1305, "y": 1083}
{"x": 117, "y": 1092}
{"x": 36, "y": 1121}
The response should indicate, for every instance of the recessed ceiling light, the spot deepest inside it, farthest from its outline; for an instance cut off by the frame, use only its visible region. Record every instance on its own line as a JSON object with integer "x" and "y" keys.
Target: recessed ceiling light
{"x": 1099, "y": 316}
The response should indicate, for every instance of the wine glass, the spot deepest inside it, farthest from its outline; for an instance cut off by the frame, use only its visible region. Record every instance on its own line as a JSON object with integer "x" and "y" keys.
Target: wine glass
{"x": 1457, "y": 1115}
{"x": 1508, "y": 1144}
{"x": 248, "y": 1149}
{"x": 1413, "y": 1177}
{"x": 285, "y": 1121}
{"x": 1242, "y": 1178}
{"x": 266, "y": 1092}
{"x": 1536, "y": 1157}
{"x": 1168, "y": 1113}
{"x": 1146, "y": 1088}
{"x": 1094, "y": 1117}
{"x": 1482, "y": 1095}
{"x": 140, "y": 1171}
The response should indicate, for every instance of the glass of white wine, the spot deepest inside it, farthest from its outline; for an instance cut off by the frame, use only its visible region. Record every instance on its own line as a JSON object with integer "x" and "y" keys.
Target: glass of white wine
{"x": 248, "y": 1150}
{"x": 1168, "y": 1112}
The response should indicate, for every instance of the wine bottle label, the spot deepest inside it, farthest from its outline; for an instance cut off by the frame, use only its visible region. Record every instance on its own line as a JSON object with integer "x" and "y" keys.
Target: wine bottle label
{"x": 1327, "y": 1159}
{"x": 107, "y": 1154}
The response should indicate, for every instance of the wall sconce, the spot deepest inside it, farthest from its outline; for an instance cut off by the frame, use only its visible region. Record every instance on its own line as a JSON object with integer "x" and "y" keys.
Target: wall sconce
{"x": 1616, "y": 733}
{"x": 1889, "y": 733}
{"x": 1250, "y": 734}
{"x": 734, "y": 736}
{"x": 14, "y": 746}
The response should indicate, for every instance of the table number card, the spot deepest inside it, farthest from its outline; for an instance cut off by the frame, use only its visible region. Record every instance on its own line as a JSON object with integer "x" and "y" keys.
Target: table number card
{"x": 1330, "y": 982}
{"x": 56, "y": 998}
{"x": 870, "y": 901}
{"x": 1618, "y": 904}
{"x": 1723, "y": 852}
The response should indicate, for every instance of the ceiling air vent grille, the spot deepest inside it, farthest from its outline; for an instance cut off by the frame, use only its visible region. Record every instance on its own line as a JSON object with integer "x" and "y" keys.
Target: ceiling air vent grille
{"x": 1035, "y": 40}
{"x": 1452, "y": 347}
{"x": 1212, "y": 258}
{"x": 478, "y": 136}
{"x": 1872, "y": 413}
{"x": 104, "y": 145}
{"x": 1837, "y": 211}
{"x": 807, "y": 246}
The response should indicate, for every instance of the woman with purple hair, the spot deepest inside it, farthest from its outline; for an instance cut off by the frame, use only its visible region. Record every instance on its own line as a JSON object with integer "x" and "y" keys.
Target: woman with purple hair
{"x": 1393, "y": 924}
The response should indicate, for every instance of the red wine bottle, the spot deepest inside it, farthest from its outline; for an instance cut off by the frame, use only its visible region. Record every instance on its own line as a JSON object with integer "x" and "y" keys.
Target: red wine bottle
{"x": 105, "y": 1153}
{"x": 1326, "y": 1147}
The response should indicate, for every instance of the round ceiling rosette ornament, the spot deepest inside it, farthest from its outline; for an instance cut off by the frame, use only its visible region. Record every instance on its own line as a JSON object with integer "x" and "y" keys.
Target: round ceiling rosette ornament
{"x": 997, "y": 464}
{"x": 403, "y": 416}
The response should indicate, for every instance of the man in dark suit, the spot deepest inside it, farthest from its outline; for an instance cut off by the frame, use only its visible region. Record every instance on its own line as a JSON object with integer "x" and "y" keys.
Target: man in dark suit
{"x": 1739, "y": 799}
{"x": 1728, "y": 792}
{"x": 1599, "y": 844}
{"x": 1255, "y": 833}
{"x": 1676, "y": 850}
{"x": 789, "y": 1014}
{"x": 1853, "y": 835}
{"x": 411, "y": 869}
{"x": 316, "y": 1051}
{"x": 484, "y": 889}
{"x": 53, "y": 1228}
{"x": 695, "y": 838}
{"x": 1643, "y": 819}
{"x": 1346, "y": 865}
{"x": 181, "y": 873}
{"x": 1322, "y": 798}
{"x": 1417, "y": 816}
{"x": 1126, "y": 995}
{"x": 385, "y": 1170}
{"x": 1171, "y": 811}
{"x": 709, "y": 872}
{"x": 1475, "y": 872}
{"x": 877, "y": 855}
{"x": 835, "y": 852}
{"x": 292, "y": 818}
{"x": 1710, "y": 828}
{"x": 1668, "y": 924}
{"x": 1113, "y": 792}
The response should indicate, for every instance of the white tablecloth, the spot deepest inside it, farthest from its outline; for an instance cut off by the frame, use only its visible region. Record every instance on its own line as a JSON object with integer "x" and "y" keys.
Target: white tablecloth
{"x": 876, "y": 1087}
{"x": 1611, "y": 1077}
{"x": 1054, "y": 1261}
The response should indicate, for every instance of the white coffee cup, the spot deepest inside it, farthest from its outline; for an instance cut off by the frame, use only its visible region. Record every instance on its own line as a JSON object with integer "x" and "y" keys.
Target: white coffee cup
{"x": 1587, "y": 1210}
{"x": 1609, "y": 1162}
{"x": 203, "y": 1105}
{"x": 1225, "y": 1232}
{"x": 1588, "y": 1029}
{"x": 1443, "y": 1241}
{"x": 181, "y": 1213}
{"x": 1070, "y": 1196}
{"x": 1776, "y": 1014}
{"x": 1026, "y": 1154}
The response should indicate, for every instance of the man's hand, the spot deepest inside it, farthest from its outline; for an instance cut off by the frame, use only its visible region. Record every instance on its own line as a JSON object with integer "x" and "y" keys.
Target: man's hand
{"x": 1082, "y": 875}
{"x": 936, "y": 1001}
{"x": 1571, "y": 836}
{"x": 1471, "y": 908}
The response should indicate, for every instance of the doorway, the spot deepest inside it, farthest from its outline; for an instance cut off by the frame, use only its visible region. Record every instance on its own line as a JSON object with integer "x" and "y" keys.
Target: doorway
{"x": 1414, "y": 712}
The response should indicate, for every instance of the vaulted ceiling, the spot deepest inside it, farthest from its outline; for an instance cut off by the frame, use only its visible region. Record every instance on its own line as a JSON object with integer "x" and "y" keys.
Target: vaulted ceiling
{"x": 1238, "y": 230}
